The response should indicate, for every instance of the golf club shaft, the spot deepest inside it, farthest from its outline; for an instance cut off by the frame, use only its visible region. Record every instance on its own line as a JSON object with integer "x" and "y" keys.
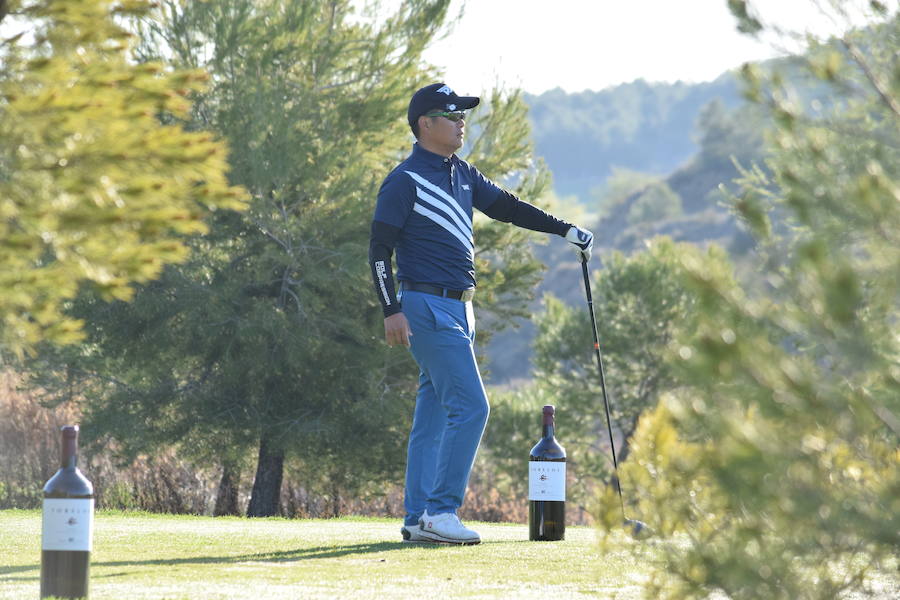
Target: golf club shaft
{"x": 612, "y": 445}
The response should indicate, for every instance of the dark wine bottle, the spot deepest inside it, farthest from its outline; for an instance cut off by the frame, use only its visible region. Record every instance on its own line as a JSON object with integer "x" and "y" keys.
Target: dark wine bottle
{"x": 68, "y": 526}
{"x": 547, "y": 485}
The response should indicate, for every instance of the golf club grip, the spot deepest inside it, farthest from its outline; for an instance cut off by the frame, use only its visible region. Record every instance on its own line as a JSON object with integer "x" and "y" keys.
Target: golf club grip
{"x": 612, "y": 444}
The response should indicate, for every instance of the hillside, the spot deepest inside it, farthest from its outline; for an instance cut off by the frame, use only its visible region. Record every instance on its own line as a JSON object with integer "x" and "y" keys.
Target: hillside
{"x": 700, "y": 136}
{"x": 641, "y": 126}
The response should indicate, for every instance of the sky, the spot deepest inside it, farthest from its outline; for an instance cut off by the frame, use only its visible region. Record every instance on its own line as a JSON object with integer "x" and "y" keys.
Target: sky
{"x": 577, "y": 45}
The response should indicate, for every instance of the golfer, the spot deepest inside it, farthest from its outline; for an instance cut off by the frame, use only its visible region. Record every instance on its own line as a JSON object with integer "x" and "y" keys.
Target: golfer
{"x": 424, "y": 212}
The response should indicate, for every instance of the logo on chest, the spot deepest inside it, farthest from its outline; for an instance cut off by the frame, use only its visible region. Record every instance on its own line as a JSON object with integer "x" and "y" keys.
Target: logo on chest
{"x": 465, "y": 186}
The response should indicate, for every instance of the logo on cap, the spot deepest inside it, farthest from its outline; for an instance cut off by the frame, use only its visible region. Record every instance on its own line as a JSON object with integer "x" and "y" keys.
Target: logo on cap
{"x": 451, "y": 107}
{"x": 444, "y": 90}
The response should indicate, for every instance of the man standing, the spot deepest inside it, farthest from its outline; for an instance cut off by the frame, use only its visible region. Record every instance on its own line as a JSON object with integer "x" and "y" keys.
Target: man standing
{"x": 424, "y": 211}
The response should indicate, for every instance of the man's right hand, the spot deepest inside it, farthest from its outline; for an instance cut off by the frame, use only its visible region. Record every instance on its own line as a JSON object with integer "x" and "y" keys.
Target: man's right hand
{"x": 396, "y": 330}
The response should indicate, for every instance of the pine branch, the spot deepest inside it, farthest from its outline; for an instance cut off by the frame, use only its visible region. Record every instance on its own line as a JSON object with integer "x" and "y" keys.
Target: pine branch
{"x": 873, "y": 78}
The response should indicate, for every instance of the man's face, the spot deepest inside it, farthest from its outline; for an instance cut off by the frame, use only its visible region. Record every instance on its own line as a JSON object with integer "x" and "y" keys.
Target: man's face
{"x": 441, "y": 133}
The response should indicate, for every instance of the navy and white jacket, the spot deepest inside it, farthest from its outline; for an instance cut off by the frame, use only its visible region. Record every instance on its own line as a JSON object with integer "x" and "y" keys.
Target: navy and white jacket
{"x": 424, "y": 211}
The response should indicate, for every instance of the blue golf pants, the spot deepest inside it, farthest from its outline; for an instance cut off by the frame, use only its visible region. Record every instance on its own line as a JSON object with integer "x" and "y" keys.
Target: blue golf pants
{"x": 451, "y": 404}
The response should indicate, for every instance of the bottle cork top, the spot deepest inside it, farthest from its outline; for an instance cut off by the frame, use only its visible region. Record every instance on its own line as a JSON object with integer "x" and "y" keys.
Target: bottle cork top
{"x": 549, "y": 409}
{"x": 69, "y": 431}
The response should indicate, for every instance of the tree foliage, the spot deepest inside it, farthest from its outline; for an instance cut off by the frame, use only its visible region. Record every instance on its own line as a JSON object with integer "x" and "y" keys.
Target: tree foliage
{"x": 779, "y": 460}
{"x": 728, "y": 135}
{"x": 505, "y": 266}
{"x": 639, "y": 301}
{"x": 99, "y": 179}
{"x": 269, "y": 339}
{"x": 656, "y": 203}
{"x": 619, "y": 187}
{"x": 265, "y": 338}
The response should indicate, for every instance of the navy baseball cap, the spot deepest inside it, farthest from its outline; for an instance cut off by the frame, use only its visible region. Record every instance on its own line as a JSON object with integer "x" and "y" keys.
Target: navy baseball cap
{"x": 438, "y": 96}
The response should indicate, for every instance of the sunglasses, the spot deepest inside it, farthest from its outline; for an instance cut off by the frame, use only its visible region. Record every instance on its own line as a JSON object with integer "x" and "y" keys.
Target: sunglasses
{"x": 454, "y": 116}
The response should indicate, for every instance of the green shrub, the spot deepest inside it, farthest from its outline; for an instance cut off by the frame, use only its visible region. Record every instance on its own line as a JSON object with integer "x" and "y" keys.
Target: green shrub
{"x": 775, "y": 466}
{"x": 656, "y": 203}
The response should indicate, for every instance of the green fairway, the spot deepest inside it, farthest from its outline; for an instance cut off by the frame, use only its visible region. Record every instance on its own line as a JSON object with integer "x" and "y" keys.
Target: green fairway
{"x": 139, "y": 555}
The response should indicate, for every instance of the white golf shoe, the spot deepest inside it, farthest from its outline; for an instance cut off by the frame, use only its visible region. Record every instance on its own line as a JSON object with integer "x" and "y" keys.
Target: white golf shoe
{"x": 446, "y": 529}
{"x": 412, "y": 533}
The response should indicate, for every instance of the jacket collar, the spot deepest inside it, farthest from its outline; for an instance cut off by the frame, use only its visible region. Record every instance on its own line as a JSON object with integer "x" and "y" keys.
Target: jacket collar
{"x": 429, "y": 158}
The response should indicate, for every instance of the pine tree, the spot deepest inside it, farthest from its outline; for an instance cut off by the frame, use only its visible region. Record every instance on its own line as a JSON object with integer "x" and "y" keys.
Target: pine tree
{"x": 779, "y": 459}
{"x": 269, "y": 338}
{"x": 99, "y": 179}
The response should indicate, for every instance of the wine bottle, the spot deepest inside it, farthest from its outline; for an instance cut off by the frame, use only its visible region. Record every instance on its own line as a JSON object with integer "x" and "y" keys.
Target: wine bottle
{"x": 68, "y": 526}
{"x": 547, "y": 485}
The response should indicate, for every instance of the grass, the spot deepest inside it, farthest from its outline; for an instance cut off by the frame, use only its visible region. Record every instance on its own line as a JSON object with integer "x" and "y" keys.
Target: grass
{"x": 165, "y": 557}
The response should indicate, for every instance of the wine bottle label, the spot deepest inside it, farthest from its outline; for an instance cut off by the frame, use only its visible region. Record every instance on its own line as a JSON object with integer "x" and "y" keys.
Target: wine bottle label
{"x": 546, "y": 480}
{"x": 68, "y": 524}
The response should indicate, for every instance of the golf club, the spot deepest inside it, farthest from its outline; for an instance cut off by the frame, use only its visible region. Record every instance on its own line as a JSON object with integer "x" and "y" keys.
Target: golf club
{"x": 637, "y": 528}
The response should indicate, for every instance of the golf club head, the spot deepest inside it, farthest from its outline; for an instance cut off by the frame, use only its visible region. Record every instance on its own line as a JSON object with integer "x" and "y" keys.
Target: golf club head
{"x": 638, "y": 529}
